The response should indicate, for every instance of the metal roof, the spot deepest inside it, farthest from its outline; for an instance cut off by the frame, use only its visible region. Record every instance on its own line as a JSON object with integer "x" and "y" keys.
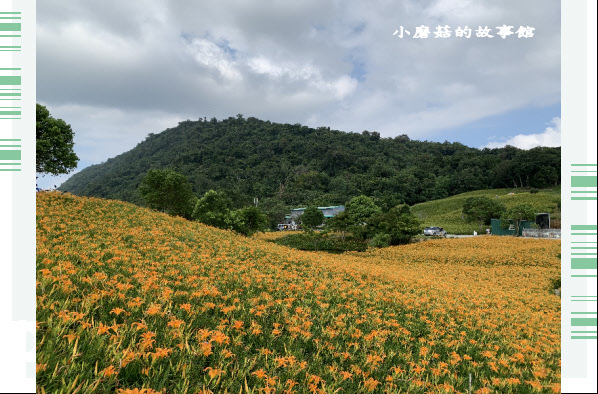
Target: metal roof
{"x": 332, "y": 207}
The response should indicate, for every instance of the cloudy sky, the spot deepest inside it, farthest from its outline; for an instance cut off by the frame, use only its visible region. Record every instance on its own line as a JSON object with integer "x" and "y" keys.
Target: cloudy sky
{"x": 117, "y": 71}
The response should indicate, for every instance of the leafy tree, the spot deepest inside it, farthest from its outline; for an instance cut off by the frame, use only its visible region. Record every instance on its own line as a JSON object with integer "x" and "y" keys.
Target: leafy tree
{"x": 482, "y": 209}
{"x": 311, "y": 218}
{"x": 249, "y": 220}
{"x": 442, "y": 185}
{"x": 53, "y": 144}
{"x": 518, "y": 214}
{"x": 168, "y": 191}
{"x": 339, "y": 223}
{"x": 213, "y": 209}
{"x": 380, "y": 241}
{"x": 398, "y": 223}
{"x": 275, "y": 211}
{"x": 360, "y": 209}
{"x": 545, "y": 177}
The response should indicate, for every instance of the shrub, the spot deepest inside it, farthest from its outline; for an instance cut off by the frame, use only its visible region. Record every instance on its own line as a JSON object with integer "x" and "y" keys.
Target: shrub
{"x": 213, "y": 209}
{"x": 249, "y": 220}
{"x": 380, "y": 241}
{"x": 312, "y": 217}
{"x": 398, "y": 223}
{"x": 168, "y": 191}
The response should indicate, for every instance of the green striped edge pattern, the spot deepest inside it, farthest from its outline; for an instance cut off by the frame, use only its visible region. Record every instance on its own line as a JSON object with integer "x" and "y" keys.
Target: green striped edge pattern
{"x": 10, "y": 112}
{"x": 8, "y": 80}
{"x": 10, "y": 26}
{"x": 583, "y": 229}
{"x": 10, "y": 90}
{"x": 583, "y": 251}
{"x": 10, "y": 158}
{"x": 586, "y": 325}
{"x": 583, "y": 298}
{"x": 583, "y": 183}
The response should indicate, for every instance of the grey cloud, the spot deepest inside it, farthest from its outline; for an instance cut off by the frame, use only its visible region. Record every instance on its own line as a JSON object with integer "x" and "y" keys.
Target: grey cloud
{"x": 320, "y": 63}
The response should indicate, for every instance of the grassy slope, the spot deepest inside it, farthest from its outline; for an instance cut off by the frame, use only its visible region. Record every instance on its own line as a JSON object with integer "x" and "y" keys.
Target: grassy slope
{"x": 128, "y": 298}
{"x": 447, "y": 212}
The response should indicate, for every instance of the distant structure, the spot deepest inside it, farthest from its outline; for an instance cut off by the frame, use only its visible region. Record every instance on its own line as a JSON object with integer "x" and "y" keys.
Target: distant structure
{"x": 497, "y": 229}
{"x": 290, "y": 220}
{"x": 542, "y": 222}
{"x": 329, "y": 212}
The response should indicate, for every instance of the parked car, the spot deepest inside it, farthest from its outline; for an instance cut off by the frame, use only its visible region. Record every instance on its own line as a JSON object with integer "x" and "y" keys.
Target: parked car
{"x": 287, "y": 226}
{"x": 434, "y": 231}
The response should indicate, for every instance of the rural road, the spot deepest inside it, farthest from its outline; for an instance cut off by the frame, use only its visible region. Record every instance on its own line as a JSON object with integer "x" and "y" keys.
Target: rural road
{"x": 458, "y": 236}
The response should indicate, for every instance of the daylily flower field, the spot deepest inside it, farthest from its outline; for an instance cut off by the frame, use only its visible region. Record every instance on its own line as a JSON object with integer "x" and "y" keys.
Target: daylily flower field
{"x": 134, "y": 301}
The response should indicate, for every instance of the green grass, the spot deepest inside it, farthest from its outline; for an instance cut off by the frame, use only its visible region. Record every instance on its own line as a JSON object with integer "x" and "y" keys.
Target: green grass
{"x": 447, "y": 213}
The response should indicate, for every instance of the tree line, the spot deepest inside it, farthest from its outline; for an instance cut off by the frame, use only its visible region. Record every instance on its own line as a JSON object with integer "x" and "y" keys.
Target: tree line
{"x": 286, "y": 165}
{"x": 482, "y": 210}
{"x": 170, "y": 192}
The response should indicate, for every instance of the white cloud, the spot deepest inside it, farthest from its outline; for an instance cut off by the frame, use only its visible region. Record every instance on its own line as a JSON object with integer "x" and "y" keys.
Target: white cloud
{"x": 338, "y": 88}
{"x": 334, "y": 63}
{"x": 551, "y": 137}
{"x": 212, "y": 56}
{"x": 101, "y": 133}
{"x": 461, "y": 9}
{"x": 277, "y": 70}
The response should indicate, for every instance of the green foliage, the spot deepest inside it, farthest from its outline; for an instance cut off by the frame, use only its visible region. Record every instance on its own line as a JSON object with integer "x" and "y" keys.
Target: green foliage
{"x": 249, "y": 220}
{"x": 292, "y": 165}
{"x": 214, "y": 209}
{"x": 324, "y": 242}
{"x": 311, "y": 218}
{"x": 275, "y": 210}
{"x": 168, "y": 191}
{"x": 53, "y": 144}
{"x": 518, "y": 214}
{"x": 339, "y": 223}
{"x": 380, "y": 241}
{"x": 398, "y": 223}
{"x": 481, "y": 209}
{"x": 448, "y": 212}
{"x": 361, "y": 208}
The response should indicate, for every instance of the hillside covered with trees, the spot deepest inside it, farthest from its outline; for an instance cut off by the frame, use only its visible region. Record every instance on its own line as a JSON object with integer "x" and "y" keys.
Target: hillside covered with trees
{"x": 290, "y": 165}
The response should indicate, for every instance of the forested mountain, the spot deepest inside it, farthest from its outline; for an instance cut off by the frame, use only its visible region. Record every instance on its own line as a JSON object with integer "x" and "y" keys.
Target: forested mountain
{"x": 291, "y": 165}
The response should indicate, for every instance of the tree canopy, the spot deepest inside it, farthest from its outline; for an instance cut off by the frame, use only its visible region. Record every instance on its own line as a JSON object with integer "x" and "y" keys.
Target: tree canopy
{"x": 295, "y": 165}
{"x": 311, "y": 218}
{"x": 482, "y": 209}
{"x": 53, "y": 144}
{"x": 399, "y": 224}
{"x": 340, "y": 223}
{"x": 518, "y": 214}
{"x": 360, "y": 210}
{"x": 249, "y": 220}
{"x": 213, "y": 209}
{"x": 168, "y": 191}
